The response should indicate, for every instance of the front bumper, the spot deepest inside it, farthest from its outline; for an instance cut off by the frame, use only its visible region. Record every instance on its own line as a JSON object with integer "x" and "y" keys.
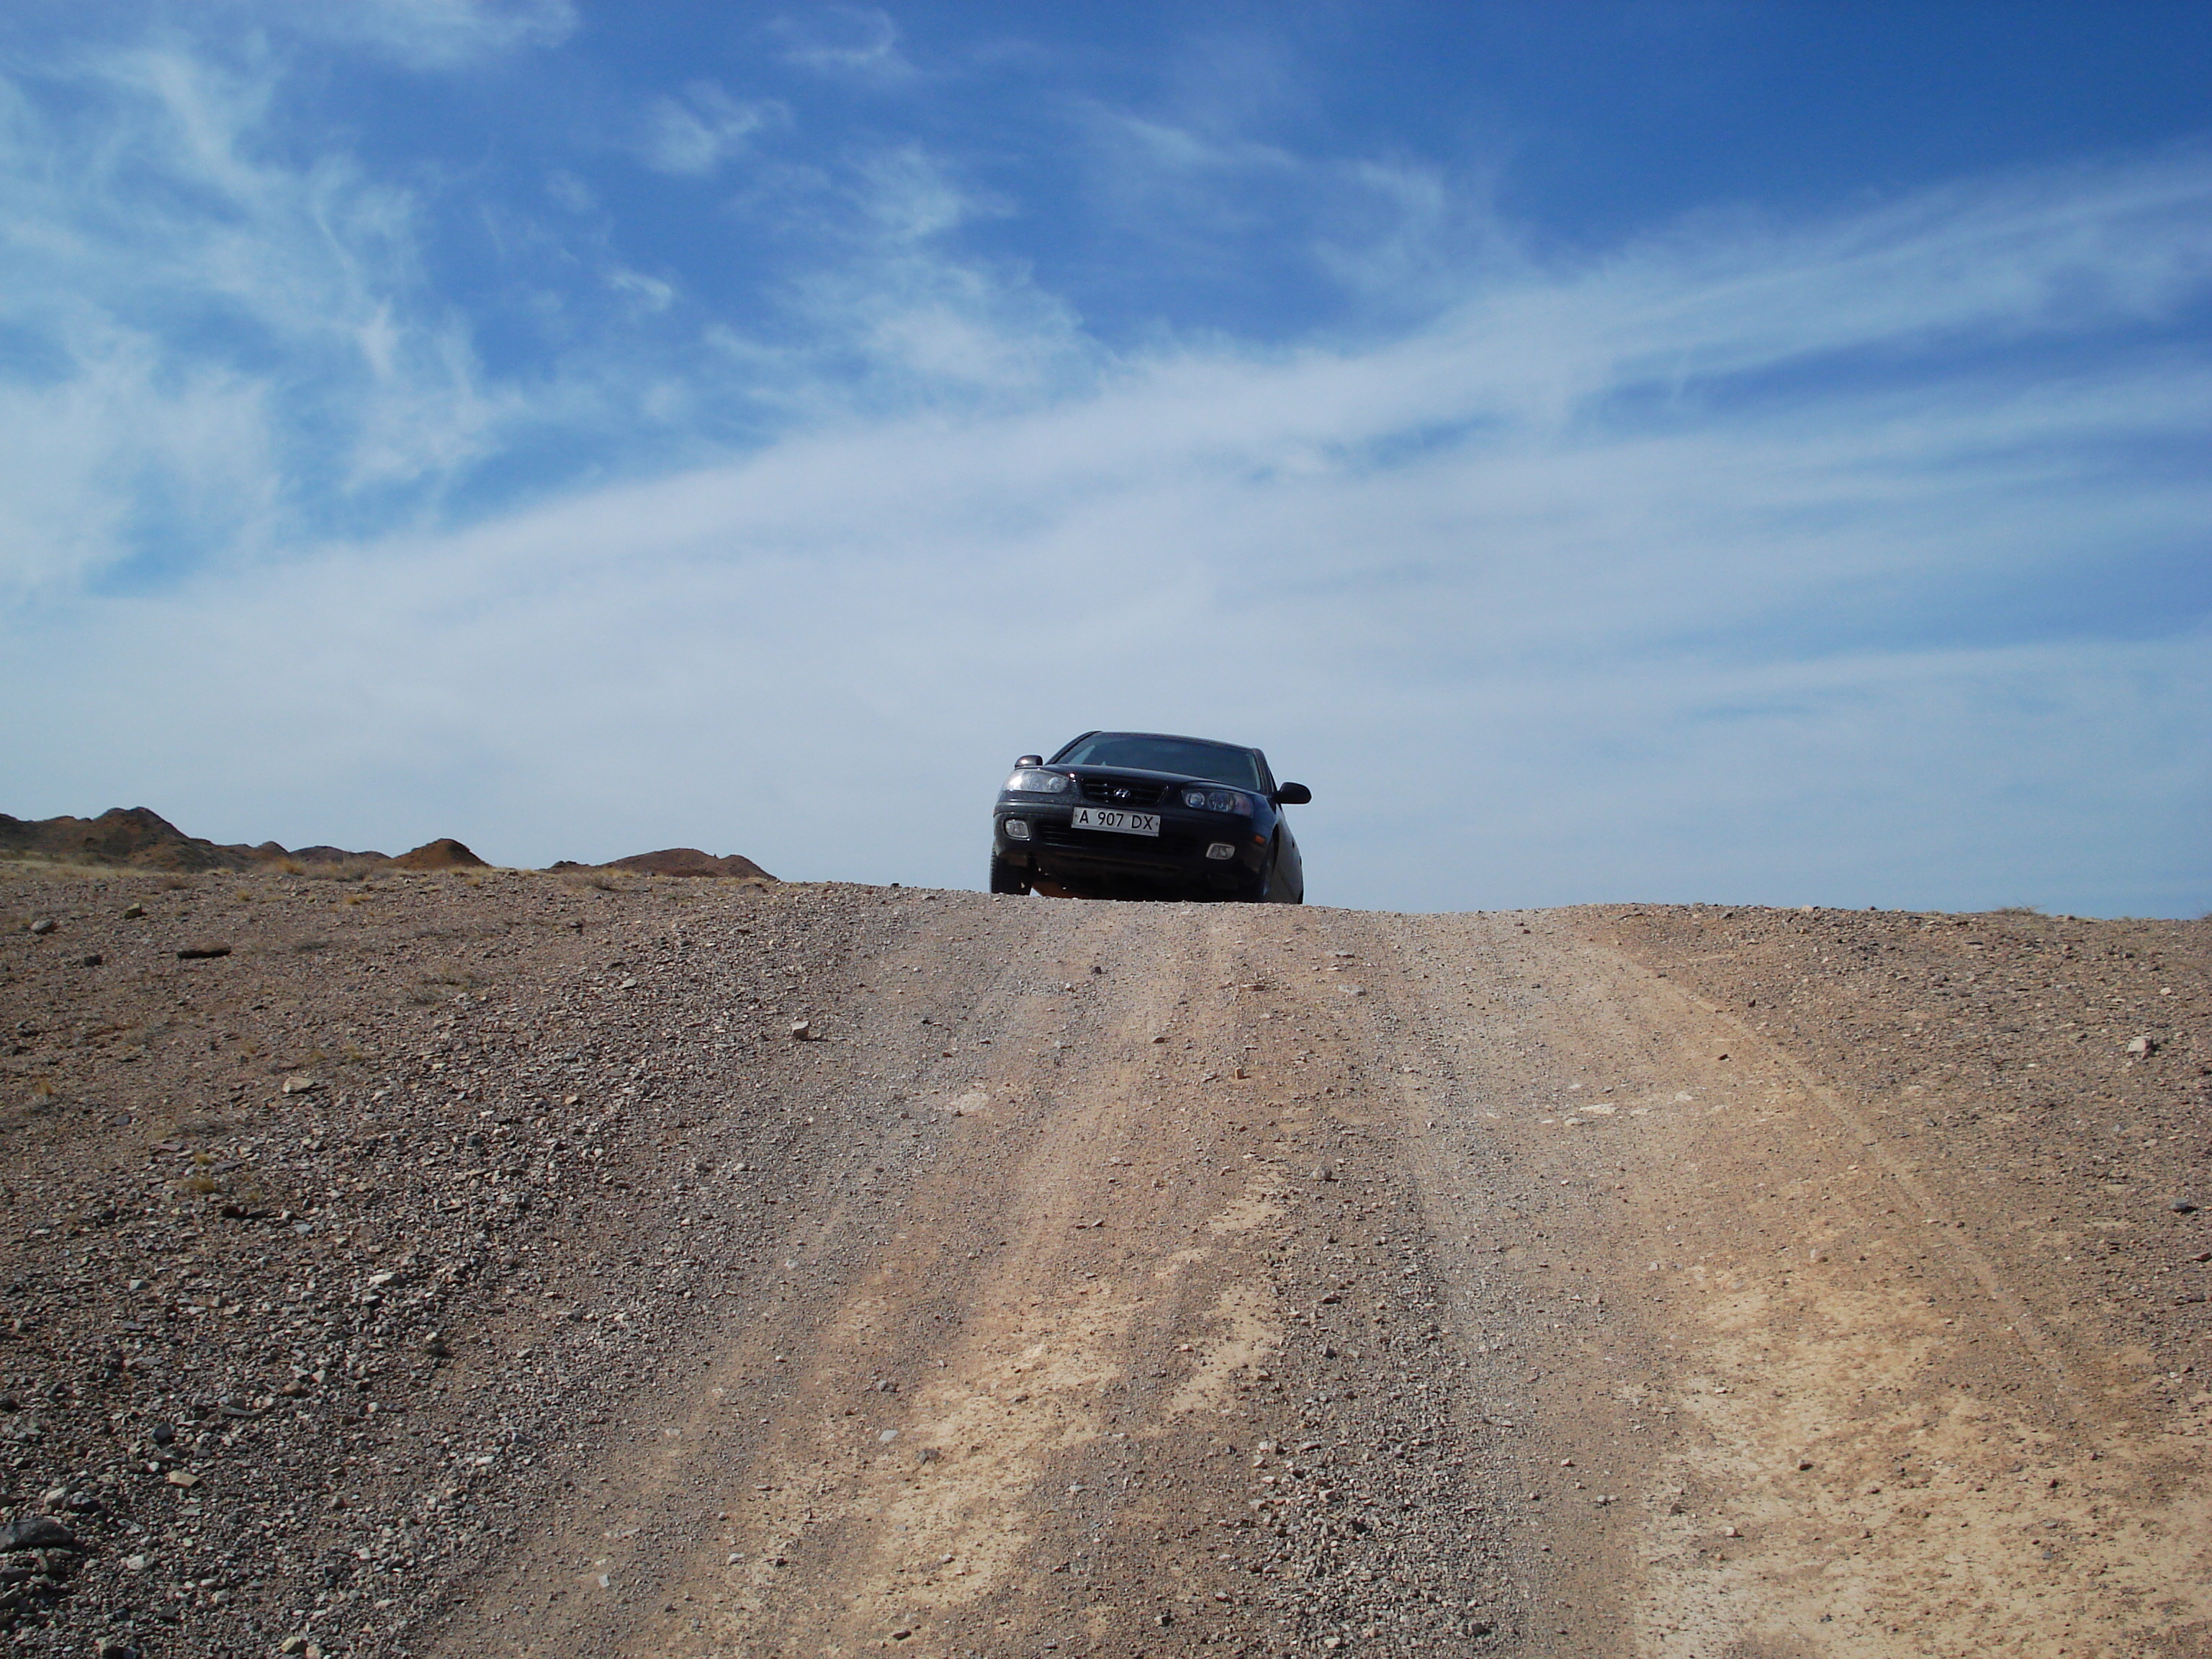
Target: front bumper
{"x": 1175, "y": 858}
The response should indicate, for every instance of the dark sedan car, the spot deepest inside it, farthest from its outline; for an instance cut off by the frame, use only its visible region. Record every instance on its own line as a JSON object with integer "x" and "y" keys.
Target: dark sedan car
{"x": 1141, "y": 814}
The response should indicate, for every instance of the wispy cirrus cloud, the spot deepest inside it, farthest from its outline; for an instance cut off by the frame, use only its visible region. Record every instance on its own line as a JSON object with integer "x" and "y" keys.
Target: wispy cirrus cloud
{"x": 693, "y": 135}
{"x": 429, "y": 34}
{"x": 859, "y": 42}
{"x": 195, "y": 307}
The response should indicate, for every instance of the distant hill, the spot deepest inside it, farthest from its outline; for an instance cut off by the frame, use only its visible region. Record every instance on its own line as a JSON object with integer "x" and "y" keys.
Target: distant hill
{"x": 690, "y": 861}
{"x": 137, "y": 839}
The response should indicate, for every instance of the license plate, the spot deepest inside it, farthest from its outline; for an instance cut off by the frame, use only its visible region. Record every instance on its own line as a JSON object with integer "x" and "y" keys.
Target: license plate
{"x": 1127, "y": 824}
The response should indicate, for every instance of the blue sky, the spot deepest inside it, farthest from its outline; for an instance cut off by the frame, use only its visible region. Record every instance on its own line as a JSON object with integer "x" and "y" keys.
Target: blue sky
{"x": 1754, "y": 453}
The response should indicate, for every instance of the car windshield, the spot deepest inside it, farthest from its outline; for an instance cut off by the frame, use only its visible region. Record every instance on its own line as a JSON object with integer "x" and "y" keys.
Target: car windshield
{"x": 1185, "y": 757}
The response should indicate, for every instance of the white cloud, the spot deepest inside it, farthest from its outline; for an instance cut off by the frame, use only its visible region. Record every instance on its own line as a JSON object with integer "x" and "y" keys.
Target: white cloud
{"x": 223, "y": 328}
{"x": 648, "y": 293}
{"x": 428, "y": 34}
{"x": 858, "y": 41}
{"x": 693, "y": 135}
{"x": 570, "y": 192}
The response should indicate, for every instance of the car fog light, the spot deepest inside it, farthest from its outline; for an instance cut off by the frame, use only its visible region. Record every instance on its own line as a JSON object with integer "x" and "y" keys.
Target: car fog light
{"x": 1221, "y": 849}
{"x": 1017, "y": 830}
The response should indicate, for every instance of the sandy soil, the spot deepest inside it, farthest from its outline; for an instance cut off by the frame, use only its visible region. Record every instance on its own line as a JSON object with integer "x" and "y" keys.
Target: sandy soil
{"x": 470, "y": 1264}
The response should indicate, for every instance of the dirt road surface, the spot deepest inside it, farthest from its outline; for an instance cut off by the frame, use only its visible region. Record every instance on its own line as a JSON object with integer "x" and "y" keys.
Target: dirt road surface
{"x": 1098, "y": 1278}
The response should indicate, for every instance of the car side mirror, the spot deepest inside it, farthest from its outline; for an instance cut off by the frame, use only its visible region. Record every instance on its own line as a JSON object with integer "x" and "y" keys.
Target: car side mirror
{"x": 1029, "y": 760}
{"x": 1291, "y": 794}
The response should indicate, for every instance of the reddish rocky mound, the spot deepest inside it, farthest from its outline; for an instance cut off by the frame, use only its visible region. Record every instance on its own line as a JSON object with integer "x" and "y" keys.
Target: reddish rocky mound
{"x": 131, "y": 836}
{"x": 135, "y": 838}
{"x": 443, "y": 854}
{"x": 690, "y": 861}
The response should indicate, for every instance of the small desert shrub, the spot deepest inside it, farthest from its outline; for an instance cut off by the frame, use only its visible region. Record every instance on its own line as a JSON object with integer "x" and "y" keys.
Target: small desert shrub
{"x": 340, "y": 869}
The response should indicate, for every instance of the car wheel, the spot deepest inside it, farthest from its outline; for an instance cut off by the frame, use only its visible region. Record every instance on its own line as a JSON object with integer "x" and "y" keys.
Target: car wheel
{"x": 1007, "y": 879}
{"x": 1263, "y": 889}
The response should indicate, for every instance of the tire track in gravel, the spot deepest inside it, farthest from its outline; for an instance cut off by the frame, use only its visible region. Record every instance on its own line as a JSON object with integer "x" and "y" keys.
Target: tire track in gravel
{"x": 1802, "y": 1399}
{"x": 1082, "y": 1394}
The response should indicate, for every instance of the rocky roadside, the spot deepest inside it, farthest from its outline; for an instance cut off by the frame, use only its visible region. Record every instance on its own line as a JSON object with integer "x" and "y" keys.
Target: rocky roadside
{"x": 337, "y": 1218}
{"x": 2057, "y": 1067}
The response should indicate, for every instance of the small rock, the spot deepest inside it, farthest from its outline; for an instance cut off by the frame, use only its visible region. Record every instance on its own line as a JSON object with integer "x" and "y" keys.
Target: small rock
{"x": 301, "y": 1085}
{"x": 36, "y": 1532}
{"x": 802, "y": 1031}
{"x": 182, "y": 1477}
{"x": 133, "y": 912}
{"x": 114, "y": 1647}
{"x": 1730, "y": 1532}
{"x": 2182, "y": 1206}
{"x": 43, "y": 926}
{"x": 2143, "y": 1045}
{"x": 293, "y": 1645}
{"x": 202, "y": 952}
{"x": 95, "y": 960}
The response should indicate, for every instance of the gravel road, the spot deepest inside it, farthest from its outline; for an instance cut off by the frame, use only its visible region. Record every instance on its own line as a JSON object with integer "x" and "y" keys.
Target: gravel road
{"x": 455, "y": 1264}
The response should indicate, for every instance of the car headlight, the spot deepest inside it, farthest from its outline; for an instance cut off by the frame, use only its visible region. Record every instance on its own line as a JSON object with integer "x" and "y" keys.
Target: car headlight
{"x": 1218, "y": 800}
{"x": 1030, "y": 781}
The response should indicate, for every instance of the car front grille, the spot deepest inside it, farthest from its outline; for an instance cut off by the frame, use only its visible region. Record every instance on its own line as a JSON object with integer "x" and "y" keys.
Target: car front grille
{"x": 1109, "y": 844}
{"x": 1139, "y": 793}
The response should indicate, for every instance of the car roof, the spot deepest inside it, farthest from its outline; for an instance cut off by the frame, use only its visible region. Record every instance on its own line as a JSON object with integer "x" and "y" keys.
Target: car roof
{"x": 1169, "y": 737}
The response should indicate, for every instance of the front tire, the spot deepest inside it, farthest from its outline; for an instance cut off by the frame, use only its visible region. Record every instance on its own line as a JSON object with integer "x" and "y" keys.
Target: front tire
{"x": 1262, "y": 890}
{"x": 1007, "y": 877}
